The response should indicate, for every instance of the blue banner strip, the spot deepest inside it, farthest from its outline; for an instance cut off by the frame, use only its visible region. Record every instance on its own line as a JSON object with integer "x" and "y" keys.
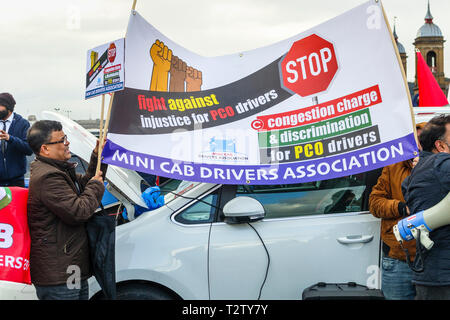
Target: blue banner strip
{"x": 102, "y": 90}
{"x": 355, "y": 162}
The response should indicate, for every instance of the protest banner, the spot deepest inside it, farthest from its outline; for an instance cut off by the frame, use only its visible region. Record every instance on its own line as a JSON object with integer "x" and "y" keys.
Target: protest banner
{"x": 105, "y": 68}
{"x": 104, "y": 74}
{"x": 329, "y": 102}
{"x": 14, "y": 235}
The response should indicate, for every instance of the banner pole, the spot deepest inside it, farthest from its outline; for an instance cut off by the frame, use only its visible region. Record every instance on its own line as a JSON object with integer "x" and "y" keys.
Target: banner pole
{"x": 104, "y": 131}
{"x": 101, "y": 135}
{"x": 399, "y": 60}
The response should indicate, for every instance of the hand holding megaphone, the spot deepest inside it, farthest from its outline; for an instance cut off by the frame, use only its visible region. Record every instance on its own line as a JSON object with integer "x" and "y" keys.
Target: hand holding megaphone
{"x": 419, "y": 225}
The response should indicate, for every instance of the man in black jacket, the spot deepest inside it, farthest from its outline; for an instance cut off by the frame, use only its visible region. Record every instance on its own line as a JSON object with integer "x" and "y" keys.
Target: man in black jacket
{"x": 427, "y": 185}
{"x": 14, "y": 145}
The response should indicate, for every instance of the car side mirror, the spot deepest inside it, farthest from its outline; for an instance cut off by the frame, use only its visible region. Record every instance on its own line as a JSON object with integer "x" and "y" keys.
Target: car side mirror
{"x": 242, "y": 210}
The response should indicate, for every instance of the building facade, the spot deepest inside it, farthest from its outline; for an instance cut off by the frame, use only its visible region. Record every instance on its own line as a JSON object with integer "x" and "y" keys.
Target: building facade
{"x": 430, "y": 42}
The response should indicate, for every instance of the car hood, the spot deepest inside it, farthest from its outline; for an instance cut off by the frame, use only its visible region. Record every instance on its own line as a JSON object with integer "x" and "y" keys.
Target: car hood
{"x": 124, "y": 181}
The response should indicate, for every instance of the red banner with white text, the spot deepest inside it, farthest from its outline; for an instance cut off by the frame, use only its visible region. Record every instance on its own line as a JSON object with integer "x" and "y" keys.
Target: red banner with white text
{"x": 15, "y": 237}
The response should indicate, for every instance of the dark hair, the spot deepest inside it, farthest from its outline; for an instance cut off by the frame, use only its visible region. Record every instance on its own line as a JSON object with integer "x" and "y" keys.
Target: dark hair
{"x": 41, "y": 133}
{"x": 7, "y": 100}
{"x": 434, "y": 130}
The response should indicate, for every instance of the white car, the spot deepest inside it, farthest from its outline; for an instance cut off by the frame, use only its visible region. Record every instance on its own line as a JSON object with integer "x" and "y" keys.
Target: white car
{"x": 235, "y": 241}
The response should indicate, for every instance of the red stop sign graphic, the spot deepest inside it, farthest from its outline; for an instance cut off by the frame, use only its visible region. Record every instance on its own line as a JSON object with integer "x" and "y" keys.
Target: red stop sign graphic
{"x": 112, "y": 52}
{"x": 309, "y": 66}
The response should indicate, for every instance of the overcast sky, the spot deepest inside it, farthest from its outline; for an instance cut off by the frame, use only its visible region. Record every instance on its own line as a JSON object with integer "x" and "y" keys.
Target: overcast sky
{"x": 44, "y": 43}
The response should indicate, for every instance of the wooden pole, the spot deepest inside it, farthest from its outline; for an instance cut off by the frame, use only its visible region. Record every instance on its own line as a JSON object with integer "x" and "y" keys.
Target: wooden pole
{"x": 104, "y": 131}
{"x": 108, "y": 115}
{"x": 403, "y": 74}
{"x": 101, "y": 136}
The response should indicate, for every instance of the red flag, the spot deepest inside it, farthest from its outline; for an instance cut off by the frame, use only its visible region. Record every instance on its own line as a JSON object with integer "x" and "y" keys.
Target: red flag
{"x": 430, "y": 94}
{"x": 14, "y": 235}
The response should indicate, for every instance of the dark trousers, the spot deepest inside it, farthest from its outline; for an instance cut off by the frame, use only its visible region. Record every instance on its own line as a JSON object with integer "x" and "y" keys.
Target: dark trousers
{"x": 432, "y": 293}
{"x": 20, "y": 182}
{"x": 62, "y": 292}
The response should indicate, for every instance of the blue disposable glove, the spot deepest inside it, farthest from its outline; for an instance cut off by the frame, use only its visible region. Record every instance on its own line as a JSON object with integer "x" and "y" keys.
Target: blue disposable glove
{"x": 153, "y": 198}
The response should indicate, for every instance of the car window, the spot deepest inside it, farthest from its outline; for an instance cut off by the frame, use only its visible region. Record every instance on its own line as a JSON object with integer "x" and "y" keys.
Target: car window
{"x": 338, "y": 195}
{"x": 30, "y": 159}
{"x": 200, "y": 212}
{"x": 81, "y": 164}
{"x": 172, "y": 188}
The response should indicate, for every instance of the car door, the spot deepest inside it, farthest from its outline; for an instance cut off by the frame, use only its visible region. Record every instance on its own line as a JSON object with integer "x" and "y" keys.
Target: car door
{"x": 313, "y": 232}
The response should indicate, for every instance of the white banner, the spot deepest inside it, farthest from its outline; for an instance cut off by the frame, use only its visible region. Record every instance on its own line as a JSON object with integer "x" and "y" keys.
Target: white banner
{"x": 326, "y": 103}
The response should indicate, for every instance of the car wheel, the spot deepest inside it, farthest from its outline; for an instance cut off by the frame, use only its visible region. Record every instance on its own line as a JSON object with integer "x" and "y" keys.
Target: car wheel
{"x": 141, "y": 291}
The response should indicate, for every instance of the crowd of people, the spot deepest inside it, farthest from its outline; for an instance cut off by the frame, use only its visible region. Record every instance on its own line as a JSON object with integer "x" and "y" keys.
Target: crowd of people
{"x": 57, "y": 214}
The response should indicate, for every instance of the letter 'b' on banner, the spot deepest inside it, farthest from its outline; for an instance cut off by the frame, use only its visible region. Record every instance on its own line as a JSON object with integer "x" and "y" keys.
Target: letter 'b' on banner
{"x": 14, "y": 235}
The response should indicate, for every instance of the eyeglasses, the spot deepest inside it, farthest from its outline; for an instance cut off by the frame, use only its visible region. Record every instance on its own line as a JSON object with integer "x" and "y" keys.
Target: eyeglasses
{"x": 63, "y": 140}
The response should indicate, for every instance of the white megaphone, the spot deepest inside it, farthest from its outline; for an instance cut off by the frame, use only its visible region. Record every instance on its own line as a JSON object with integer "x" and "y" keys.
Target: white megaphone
{"x": 424, "y": 221}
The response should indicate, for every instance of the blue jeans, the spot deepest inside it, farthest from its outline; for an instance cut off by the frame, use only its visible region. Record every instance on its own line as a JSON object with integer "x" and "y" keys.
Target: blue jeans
{"x": 62, "y": 292}
{"x": 396, "y": 279}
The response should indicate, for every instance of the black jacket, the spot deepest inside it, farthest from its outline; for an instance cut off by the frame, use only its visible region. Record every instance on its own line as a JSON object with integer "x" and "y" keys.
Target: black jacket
{"x": 428, "y": 184}
{"x": 14, "y": 163}
{"x": 101, "y": 231}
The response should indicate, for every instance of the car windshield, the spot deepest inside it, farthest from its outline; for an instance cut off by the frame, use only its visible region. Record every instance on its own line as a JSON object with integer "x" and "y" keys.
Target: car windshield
{"x": 172, "y": 188}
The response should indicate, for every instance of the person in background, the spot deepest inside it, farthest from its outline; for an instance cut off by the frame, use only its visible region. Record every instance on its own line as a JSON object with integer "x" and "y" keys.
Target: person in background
{"x": 14, "y": 146}
{"x": 427, "y": 185}
{"x": 386, "y": 202}
{"x": 60, "y": 202}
